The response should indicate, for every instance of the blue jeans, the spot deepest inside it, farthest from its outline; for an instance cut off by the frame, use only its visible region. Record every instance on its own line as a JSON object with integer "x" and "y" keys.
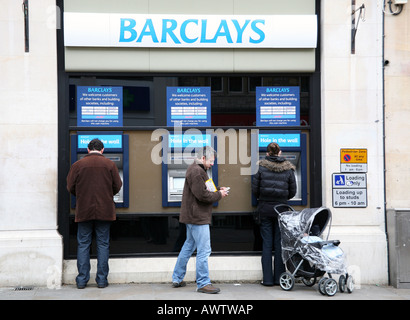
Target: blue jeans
{"x": 84, "y": 238}
{"x": 197, "y": 237}
{"x": 271, "y": 238}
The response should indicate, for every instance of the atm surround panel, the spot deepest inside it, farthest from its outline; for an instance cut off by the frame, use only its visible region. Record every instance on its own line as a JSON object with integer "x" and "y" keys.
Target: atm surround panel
{"x": 296, "y": 155}
{"x": 177, "y": 161}
{"x": 119, "y": 156}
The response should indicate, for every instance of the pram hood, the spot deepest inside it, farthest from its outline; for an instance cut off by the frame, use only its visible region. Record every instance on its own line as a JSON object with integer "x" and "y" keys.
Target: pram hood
{"x": 295, "y": 225}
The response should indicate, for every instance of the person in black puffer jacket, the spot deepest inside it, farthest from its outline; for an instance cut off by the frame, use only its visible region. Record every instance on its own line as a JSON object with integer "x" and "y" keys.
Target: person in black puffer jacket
{"x": 273, "y": 184}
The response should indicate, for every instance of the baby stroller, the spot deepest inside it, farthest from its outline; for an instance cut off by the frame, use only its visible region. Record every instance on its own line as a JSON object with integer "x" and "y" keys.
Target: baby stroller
{"x": 306, "y": 255}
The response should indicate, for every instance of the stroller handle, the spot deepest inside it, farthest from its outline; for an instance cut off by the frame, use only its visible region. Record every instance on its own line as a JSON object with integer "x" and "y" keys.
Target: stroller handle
{"x": 282, "y": 205}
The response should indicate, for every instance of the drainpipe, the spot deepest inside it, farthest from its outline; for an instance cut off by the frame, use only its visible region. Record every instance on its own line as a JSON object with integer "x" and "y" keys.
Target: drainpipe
{"x": 384, "y": 64}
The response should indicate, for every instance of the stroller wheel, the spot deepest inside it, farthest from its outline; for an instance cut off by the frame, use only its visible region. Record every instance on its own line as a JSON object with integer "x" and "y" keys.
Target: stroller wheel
{"x": 330, "y": 287}
{"x": 309, "y": 282}
{"x": 321, "y": 285}
{"x": 342, "y": 283}
{"x": 286, "y": 281}
{"x": 350, "y": 284}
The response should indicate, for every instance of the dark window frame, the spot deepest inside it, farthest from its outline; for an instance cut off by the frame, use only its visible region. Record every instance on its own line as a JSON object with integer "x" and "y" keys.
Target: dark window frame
{"x": 63, "y": 204}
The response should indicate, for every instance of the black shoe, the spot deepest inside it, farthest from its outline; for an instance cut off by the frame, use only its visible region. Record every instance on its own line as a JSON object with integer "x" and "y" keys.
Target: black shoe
{"x": 81, "y": 286}
{"x": 266, "y": 284}
{"x": 102, "y": 285}
{"x": 178, "y": 284}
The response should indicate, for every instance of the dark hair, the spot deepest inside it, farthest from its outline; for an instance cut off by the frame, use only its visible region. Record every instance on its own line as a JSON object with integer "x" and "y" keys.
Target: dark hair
{"x": 273, "y": 149}
{"x": 95, "y": 144}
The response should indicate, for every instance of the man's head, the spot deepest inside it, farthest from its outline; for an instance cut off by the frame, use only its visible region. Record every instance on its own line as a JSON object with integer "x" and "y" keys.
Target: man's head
{"x": 207, "y": 156}
{"x": 96, "y": 145}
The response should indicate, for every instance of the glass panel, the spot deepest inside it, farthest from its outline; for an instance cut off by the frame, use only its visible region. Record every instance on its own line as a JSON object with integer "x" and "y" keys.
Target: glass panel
{"x": 142, "y": 235}
{"x": 216, "y": 84}
{"x": 235, "y": 84}
{"x": 253, "y": 83}
{"x": 144, "y": 98}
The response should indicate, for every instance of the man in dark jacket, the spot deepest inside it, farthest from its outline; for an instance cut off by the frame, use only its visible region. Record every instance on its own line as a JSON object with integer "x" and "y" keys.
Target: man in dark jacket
{"x": 196, "y": 213}
{"x": 94, "y": 180}
{"x": 273, "y": 184}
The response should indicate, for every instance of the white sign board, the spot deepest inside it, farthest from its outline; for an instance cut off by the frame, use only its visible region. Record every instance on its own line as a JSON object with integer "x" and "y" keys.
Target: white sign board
{"x": 353, "y": 167}
{"x": 349, "y": 180}
{"x": 189, "y": 31}
{"x": 349, "y": 198}
{"x": 349, "y": 190}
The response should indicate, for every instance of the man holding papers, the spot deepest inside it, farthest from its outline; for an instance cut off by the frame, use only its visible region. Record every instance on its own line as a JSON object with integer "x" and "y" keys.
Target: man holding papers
{"x": 196, "y": 213}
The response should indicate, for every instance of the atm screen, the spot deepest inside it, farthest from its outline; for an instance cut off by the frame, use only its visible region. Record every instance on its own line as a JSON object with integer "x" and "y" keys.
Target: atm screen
{"x": 178, "y": 183}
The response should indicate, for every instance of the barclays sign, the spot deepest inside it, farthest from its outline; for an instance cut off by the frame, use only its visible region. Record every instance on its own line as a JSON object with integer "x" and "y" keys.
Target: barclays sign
{"x": 168, "y": 31}
{"x": 189, "y": 31}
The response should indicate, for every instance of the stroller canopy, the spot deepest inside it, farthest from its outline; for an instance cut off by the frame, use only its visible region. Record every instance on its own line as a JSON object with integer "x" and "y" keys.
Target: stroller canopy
{"x": 299, "y": 231}
{"x": 294, "y": 224}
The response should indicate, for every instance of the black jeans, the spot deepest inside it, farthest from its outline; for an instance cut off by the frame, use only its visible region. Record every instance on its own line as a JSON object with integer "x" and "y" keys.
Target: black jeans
{"x": 270, "y": 233}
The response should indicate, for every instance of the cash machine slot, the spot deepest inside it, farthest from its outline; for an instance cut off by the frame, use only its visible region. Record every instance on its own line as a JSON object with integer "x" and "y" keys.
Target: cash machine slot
{"x": 118, "y": 159}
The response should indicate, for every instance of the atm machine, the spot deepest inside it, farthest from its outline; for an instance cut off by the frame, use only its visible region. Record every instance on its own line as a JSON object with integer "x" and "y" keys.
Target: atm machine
{"x": 179, "y": 152}
{"x": 293, "y": 146}
{"x": 115, "y": 149}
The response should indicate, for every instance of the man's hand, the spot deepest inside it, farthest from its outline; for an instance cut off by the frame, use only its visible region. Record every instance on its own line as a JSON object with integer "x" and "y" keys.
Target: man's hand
{"x": 224, "y": 191}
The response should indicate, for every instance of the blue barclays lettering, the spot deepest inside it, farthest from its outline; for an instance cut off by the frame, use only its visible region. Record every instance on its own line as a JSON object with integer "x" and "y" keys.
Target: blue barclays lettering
{"x": 240, "y": 29}
{"x": 148, "y": 30}
{"x": 203, "y": 32}
{"x": 227, "y": 29}
{"x": 183, "y": 31}
{"x": 223, "y": 25}
{"x": 258, "y": 31}
{"x": 169, "y": 30}
{"x": 127, "y": 29}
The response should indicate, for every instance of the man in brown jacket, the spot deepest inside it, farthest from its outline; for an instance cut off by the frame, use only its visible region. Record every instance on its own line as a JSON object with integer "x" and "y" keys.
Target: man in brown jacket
{"x": 94, "y": 180}
{"x": 196, "y": 213}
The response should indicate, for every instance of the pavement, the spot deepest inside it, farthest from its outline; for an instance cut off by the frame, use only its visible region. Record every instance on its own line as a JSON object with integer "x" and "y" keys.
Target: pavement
{"x": 162, "y": 292}
{"x": 160, "y": 300}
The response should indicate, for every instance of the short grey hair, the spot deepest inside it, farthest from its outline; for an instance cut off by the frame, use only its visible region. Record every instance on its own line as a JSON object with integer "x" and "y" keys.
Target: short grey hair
{"x": 206, "y": 151}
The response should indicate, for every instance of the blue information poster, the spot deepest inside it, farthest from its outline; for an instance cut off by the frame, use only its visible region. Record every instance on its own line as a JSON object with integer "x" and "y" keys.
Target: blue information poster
{"x": 99, "y": 106}
{"x": 277, "y": 106}
{"x": 189, "y": 106}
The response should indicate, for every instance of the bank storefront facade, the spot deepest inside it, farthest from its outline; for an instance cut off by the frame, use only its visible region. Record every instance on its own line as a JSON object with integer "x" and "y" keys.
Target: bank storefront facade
{"x": 155, "y": 79}
{"x": 219, "y": 61}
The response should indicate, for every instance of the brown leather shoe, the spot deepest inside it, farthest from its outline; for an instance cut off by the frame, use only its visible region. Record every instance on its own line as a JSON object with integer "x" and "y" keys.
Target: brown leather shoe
{"x": 209, "y": 288}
